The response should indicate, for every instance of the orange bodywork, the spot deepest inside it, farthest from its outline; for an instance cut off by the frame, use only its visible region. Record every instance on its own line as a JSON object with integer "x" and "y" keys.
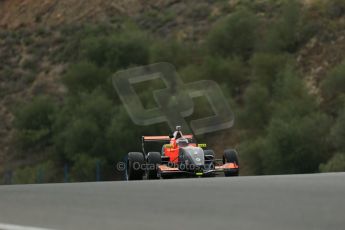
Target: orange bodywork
{"x": 172, "y": 151}
{"x": 167, "y": 169}
{"x": 228, "y": 166}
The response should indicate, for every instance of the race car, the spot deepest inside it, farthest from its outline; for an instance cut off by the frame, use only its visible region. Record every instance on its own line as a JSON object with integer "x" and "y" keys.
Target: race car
{"x": 180, "y": 156}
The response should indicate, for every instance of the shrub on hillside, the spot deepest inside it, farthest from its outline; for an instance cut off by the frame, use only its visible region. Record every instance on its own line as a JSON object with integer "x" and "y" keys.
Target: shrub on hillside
{"x": 333, "y": 88}
{"x": 34, "y": 121}
{"x": 231, "y": 71}
{"x": 85, "y": 77}
{"x": 266, "y": 67}
{"x": 331, "y": 9}
{"x": 338, "y": 132}
{"x": 46, "y": 172}
{"x": 256, "y": 111}
{"x": 297, "y": 145}
{"x": 81, "y": 126}
{"x": 116, "y": 51}
{"x": 334, "y": 83}
{"x": 84, "y": 168}
{"x": 235, "y": 35}
{"x": 290, "y": 96}
{"x": 122, "y": 130}
{"x": 82, "y": 136}
{"x": 177, "y": 53}
{"x": 335, "y": 164}
{"x": 191, "y": 73}
{"x": 282, "y": 34}
{"x": 297, "y": 134}
{"x": 251, "y": 152}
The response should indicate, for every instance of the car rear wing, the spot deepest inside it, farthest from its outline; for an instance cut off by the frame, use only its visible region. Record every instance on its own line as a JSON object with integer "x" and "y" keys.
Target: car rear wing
{"x": 162, "y": 138}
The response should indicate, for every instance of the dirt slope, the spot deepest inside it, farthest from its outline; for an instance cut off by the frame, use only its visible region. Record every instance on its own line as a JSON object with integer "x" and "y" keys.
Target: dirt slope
{"x": 19, "y": 13}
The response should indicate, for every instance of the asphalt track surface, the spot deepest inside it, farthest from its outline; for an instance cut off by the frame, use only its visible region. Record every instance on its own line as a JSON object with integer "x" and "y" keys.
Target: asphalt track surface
{"x": 267, "y": 202}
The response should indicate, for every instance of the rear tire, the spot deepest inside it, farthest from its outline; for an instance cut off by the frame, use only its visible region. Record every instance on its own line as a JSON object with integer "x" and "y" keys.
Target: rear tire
{"x": 153, "y": 160}
{"x": 230, "y": 156}
{"x": 133, "y": 166}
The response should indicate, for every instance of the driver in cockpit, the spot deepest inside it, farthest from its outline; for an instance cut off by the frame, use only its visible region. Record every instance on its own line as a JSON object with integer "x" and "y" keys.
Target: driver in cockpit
{"x": 178, "y": 133}
{"x": 180, "y": 140}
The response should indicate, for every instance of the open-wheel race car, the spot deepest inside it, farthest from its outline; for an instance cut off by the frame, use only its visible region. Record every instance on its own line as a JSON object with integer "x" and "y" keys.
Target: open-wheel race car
{"x": 180, "y": 156}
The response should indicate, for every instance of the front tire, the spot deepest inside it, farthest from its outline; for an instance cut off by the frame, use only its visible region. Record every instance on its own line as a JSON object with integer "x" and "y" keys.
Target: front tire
{"x": 133, "y": 166}
{"x": 231, "y": 156}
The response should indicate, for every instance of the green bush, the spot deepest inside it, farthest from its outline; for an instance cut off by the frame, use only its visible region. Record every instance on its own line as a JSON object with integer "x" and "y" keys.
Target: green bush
{"x": 290, "y": 96}
{"x": 191, "y": 73}
{"x": 116, "y": 51}
{"x": 283, "y": 34}
{"x": 338, "y": 132}
{"x": 96, "y": 107}
{"x": 46, "y": 172}
{"x": 266, "y": 67}
{"x": 177, "y": 53}
{"x": 84, "y": 168}
{"x": 34, "y": 121}
{"x": 334, "y": 83}
{"x": 335, "y": 164}
{"x": 251, "y": 152}
{"x": 129, "y": 49}
{"x": 122, "y": 130}
{"x": 85, "y": 77}
{"x": 333, "y": 88}
{"x": 231, "y": 71}
{"x": 256, "y": 112}
{"x": 95, "y": 49}
{"x": 81, "y": 127}
{"x": 297, "y": 145}
{"x": 73, "y": 34}
{"x": 82, "y": 136}
{"x": 335, "y": 8}
{"x": 235, "y": 35}
{"x": 297, "y": 135}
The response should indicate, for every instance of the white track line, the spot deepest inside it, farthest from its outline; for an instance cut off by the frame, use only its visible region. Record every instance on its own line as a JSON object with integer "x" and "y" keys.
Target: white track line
{"x": 18, "y": 227}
